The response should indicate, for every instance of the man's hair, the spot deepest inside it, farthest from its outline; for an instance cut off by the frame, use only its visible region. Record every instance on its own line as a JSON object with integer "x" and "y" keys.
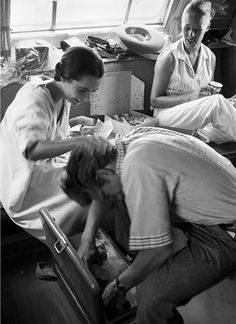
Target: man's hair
{"x": 91, "y": 154}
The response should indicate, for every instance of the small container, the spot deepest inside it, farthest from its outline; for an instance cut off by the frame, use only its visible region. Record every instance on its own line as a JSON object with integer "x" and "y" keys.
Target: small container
{"x": 215, "y": 87}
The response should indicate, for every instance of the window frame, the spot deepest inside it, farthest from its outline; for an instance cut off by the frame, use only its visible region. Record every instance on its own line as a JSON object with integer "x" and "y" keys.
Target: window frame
{"x": 54, "y": 27}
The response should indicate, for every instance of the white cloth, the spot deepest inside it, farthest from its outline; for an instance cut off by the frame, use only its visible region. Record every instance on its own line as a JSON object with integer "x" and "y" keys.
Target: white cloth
{"x": 184, "y": 79}
{"x": 27, "y": 186}
{"x": 213, "y": 113}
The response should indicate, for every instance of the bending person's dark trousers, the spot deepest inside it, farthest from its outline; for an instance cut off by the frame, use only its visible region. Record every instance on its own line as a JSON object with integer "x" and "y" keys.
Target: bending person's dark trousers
{"x": 208, "y": 258}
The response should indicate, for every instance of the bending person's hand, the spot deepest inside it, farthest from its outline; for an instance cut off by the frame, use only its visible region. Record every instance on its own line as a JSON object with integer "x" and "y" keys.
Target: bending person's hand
{"x": 112, "y": 294}
{"x": 88, "y": 252}
{"x": 109, "y": 292}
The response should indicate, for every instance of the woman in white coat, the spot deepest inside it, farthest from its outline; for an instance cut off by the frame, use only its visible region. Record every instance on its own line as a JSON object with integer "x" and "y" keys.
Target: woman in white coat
{"x": 183, "y": 71}
{"x": 34, "y": 131}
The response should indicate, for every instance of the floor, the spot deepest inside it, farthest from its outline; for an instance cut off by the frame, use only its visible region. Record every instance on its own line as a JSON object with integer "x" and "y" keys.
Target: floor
{"x": 25, "y": 298}
{"x": 216, "y": 305}
{"x": 28, "y": 300}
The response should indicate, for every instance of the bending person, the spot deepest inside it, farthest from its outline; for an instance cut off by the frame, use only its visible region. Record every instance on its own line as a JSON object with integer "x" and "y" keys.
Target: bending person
{"x": 34, "y": 131}
{"x": 181, "y": 226}
{"x": 180, "y": 93}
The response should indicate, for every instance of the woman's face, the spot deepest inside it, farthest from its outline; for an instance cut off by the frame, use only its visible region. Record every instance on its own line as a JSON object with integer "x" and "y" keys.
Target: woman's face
{"x": 194, "y": 27}
{"x": 76, "y": 91}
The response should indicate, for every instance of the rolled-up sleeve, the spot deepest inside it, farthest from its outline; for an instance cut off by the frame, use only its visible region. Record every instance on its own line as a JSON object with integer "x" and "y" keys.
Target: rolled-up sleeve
{"x": 33, "y": 120}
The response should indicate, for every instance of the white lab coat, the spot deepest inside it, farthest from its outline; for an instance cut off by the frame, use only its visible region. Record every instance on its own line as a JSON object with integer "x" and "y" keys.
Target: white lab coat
{"x": 26, "y": 186}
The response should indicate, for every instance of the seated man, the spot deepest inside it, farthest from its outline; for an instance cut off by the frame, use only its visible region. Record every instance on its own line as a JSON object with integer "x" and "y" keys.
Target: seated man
{"x": 180, "y": 195}
{"x": 180, "y": 95}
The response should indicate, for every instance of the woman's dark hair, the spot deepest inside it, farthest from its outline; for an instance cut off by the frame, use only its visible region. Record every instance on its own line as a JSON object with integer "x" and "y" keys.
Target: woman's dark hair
{"x": 91, "y": 154}
{"x": 77, "y": 62}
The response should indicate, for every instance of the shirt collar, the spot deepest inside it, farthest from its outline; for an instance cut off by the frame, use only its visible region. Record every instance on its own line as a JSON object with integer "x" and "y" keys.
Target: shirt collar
{"x": 181, "y": 54}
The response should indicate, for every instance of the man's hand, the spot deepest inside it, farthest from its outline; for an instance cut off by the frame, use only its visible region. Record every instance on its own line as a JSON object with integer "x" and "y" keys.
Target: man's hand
{"x": 109, "y": 292}
{"x": 88, "y": 252}
{"x": 113, "y": 294}
{"x": 96, "y": 214}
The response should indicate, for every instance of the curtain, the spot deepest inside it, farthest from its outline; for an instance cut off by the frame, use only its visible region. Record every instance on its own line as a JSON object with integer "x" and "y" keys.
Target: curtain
{"x": 173, "y": 24}
{"x": 5, "y": 28}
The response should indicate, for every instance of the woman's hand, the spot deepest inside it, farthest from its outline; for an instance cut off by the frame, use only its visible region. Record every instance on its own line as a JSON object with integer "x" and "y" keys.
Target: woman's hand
{"x": 197, "y": 94}
{"x": 82, "y": 120}
{"x": 88, "y": 130}
{"x": 82, "y": 131}
{"x": 82, "y": 125}
{"x": 204, "y": 92}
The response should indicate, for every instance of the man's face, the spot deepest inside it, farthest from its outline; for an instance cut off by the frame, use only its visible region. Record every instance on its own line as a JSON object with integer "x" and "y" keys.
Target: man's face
{"x": 111, "y": 188}
{"x": 194, "y": 27}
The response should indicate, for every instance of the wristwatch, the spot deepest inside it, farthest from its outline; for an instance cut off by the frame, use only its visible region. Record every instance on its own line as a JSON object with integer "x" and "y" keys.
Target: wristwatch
{"x": 119, "y": 287}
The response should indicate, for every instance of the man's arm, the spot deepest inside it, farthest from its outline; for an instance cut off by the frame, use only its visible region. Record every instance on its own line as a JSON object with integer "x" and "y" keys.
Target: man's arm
{"x": 145, "y": 262}
{"x": 148, "y": 201}
{"x": 97, "y": 212}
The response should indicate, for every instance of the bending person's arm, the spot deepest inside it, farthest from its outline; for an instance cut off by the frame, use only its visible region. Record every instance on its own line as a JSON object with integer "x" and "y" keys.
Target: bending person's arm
{"x": 164, "y": 68}
{"x": 96, "y": 214}
{"x": 148, "y": 203}
{"x": 145, "y": 262}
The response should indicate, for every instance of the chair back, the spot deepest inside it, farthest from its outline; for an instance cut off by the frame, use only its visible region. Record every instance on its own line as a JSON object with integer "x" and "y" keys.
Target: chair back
{"x": 76, "y": 281}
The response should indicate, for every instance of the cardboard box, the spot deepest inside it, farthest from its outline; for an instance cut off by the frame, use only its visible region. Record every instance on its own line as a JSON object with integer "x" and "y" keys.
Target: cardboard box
{"x": 119, "y": 92}
{"x": 123, "y": 128}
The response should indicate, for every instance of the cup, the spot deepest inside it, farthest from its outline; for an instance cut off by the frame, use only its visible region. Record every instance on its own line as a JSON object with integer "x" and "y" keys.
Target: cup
{"x": 215, "y": 87}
